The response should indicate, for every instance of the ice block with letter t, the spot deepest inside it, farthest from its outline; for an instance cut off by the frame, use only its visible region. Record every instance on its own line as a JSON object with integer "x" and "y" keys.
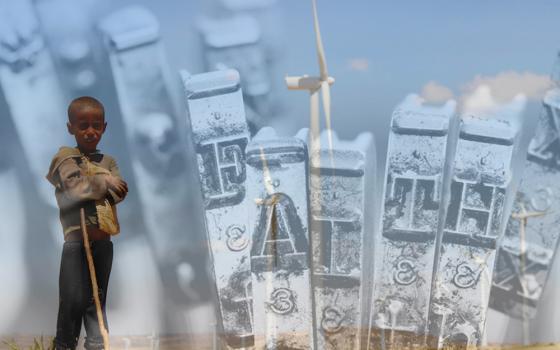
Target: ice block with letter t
{"x": 415, "y": 175}
{"x": 341, "y": 204}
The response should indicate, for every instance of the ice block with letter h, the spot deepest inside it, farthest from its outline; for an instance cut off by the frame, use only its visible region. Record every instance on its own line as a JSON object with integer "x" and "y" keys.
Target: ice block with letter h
{"x": 531, "y": 239}
{"x": 220, "y": 134}
{"x": 341, "y": 203}
{"x": 277, "y": 178}
{"x": 411, "y": 218}
{"x": 475, "y": 220}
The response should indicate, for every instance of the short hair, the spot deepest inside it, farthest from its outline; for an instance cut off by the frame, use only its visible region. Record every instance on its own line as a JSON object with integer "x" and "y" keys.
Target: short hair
{"x": 84, "y": 102}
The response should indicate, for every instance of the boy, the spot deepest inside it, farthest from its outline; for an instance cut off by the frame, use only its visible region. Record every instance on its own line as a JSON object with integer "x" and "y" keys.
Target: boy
{"x": 85, "y": 178}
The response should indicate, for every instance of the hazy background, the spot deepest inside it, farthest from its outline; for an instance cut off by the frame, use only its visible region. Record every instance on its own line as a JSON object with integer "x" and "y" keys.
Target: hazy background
{"x": 378, "y": 51}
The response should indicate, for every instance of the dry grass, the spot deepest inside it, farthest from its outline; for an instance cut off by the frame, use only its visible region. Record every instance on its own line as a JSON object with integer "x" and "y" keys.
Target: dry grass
{"x": 35, "y": 344}
{"x": 171, "y": 342}
{"x": 181, "y": 342}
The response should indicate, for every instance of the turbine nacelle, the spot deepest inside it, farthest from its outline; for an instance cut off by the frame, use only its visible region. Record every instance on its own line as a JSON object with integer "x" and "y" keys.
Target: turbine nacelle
{"x": 306, "y": 82}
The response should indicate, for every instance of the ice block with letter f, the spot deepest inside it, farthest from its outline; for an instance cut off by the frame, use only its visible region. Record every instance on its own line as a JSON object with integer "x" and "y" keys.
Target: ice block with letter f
{"x": 220, "y": 135}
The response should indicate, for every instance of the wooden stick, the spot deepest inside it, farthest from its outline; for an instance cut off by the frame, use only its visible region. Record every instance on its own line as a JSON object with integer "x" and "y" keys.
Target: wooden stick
{"x": 93, "y": 276}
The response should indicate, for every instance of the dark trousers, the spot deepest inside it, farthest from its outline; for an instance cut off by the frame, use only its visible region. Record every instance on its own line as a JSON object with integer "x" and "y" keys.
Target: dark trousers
{"x": 75, "y": 293}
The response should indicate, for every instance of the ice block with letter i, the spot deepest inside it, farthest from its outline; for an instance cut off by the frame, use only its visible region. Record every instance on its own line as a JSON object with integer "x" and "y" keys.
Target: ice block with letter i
{"x": 72, "y": 42}
{"x": 341, "y": 204}
{"x": 235, "y": 42}
{"x": 475, "y": 220}
{"x": 268, "y": 14}
{"x": 277, "y": 179}
{"x": 160, "y": 162}
{"x": 13, "y": 233}
{"x": 247, "y": 5}
{"x": 32, "y": 91}
{"x": 531, "y": 239}
{"x": 220, "y": 135}
{"x": 415, "y": 175}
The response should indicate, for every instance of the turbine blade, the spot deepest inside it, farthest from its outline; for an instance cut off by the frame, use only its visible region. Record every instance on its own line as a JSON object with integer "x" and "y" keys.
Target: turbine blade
{"x": 320, "y": 50}
{"x": 326, "y": 92}
{"x": 315, "y": 123}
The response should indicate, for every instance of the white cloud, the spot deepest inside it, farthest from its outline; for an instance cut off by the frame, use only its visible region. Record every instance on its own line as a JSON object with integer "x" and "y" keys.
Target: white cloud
{"x": 434, "y": 92}
{"x": 482, "y": 103}
{"x": 484, "y": 93}
{"x": 358, "y": 64}
{"x": 480, "y": 99}
{"x": 505, "y": 86}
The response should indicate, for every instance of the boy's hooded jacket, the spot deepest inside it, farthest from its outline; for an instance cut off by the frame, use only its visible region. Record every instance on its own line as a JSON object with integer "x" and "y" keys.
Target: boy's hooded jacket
{"x": 80, "y": 182}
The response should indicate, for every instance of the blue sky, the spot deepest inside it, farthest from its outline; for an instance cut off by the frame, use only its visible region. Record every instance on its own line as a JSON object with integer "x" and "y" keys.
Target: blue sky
{"x": 410, "y": 43}
{"x": 406, "y": 44}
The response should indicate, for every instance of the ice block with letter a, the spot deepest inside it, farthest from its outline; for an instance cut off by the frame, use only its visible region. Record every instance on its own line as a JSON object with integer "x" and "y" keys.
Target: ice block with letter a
{"x": 277, "y": 178}
{"x": 220, "y": 135}
{"x": 530, "y": 243}
{"x": 341, "y": 204}
{"x": 475, "y": 220}
{"x": 415, "y": 175}
{"x": 32, "y": 90}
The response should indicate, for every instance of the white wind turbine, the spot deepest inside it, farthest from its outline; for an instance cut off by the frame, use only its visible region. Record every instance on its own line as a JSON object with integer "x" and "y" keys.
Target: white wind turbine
{"x": 315, "y": 85}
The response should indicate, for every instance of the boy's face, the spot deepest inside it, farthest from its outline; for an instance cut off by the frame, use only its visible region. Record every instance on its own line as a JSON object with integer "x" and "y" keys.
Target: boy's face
{"x": 87, "y": 126}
